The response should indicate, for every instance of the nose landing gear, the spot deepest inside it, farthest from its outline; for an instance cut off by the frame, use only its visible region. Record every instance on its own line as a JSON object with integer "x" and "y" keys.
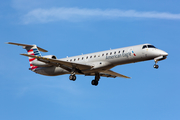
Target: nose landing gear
{"x": 155, "y": 65}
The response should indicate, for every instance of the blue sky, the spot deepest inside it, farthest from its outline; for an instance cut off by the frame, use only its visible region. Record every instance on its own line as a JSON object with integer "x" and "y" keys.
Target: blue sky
{"x": 69, "y": 28}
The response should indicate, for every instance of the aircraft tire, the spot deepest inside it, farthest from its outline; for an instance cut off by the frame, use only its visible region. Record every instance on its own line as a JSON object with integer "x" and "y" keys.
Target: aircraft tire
{"x": 72, "y": 77}
{"x": 156, "y": 66}
{"x": 94, "y": 82}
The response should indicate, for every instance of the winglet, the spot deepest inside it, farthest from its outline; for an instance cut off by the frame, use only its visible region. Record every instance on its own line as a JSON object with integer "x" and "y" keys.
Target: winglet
{"x": 25, "y": 45}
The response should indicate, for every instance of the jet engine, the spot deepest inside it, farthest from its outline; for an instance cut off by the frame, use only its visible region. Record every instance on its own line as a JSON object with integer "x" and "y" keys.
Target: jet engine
{"x": 43, "y": 64}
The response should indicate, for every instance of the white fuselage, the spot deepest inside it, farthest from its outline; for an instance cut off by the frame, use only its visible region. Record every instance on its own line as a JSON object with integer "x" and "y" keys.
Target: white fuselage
{"x": 104, "y": 60}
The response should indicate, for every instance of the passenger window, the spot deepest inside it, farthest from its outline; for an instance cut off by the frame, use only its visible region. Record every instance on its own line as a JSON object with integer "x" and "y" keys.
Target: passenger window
{"x": 119, "y": 51}
{"x": 94, "y": 56}
{"x": 98, "y": 55}
{"x": 78, "y": 58}
{"x": 74, "y": 59}
{"x": 71, "y": 60}
{"x": 123, "y": 51}
{"x": 110, "y": 53}
{"x": 106, "y": 53}
{"x": 114, "y": 52}
{"x": 87, "y": 57}
{"x": 102, "y": 54}
{"x": 82, "y": 58}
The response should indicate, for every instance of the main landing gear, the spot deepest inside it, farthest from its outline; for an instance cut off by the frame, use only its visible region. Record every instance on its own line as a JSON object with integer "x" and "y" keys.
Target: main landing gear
{"x": 96, "y": 80}
{"x": 93, "y": 82}
{"x": 72, "y": 76}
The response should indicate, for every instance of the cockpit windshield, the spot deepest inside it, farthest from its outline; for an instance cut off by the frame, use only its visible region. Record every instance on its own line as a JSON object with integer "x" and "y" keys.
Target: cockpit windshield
{"x": 145, "y": 46}
{"x": 151, "y": 46}
{"x": 148, "y": 46}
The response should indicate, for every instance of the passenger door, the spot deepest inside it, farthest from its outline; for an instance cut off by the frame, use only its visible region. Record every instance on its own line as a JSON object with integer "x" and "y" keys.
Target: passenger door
{"x": 144, "y": 51}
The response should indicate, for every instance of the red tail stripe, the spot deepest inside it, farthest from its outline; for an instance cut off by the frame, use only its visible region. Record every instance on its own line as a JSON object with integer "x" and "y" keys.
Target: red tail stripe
{"x": 32, "y": 54}
{"x": 34, "y": 67}
{"x": 30, "y": 50}
{"x": 30, "y": 60}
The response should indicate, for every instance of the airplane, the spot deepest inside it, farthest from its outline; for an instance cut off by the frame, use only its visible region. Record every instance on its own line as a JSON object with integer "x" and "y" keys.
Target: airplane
{"x": 96, "y": 64}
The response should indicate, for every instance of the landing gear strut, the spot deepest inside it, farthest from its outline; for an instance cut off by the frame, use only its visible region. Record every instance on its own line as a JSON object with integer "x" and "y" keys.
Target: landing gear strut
{"x": 96, "y": 80}
{"x": 155, "y": 65}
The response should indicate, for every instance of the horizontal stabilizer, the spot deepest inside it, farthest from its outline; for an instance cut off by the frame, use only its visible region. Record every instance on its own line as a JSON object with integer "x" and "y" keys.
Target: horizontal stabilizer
{"x": 25, "y": 45}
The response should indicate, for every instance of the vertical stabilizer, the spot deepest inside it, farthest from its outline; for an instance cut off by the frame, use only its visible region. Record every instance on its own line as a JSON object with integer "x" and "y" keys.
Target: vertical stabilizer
{"x": 32, "y": 50}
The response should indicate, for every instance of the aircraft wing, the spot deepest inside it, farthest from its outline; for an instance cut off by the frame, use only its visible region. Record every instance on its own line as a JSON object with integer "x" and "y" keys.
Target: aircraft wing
{"x": 60, "y": 62}
{"x": 110, "y": 73}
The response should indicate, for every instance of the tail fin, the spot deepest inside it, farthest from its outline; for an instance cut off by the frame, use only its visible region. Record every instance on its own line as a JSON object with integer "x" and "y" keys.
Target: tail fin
{"x": 32, "y": 50}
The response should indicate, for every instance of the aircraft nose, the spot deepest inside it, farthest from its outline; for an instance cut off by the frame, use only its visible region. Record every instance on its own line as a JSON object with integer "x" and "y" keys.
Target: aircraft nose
{"x": 163, "y": 53}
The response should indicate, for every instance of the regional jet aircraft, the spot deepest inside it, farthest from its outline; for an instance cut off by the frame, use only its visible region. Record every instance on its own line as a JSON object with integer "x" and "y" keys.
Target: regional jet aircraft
{"x": 94, "y": 64}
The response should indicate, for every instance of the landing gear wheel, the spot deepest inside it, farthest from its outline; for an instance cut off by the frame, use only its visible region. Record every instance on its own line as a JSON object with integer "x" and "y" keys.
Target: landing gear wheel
{"x": 72, "y": 77}
{"x": 94, "y": 82}
{"x": 156, "y": 66}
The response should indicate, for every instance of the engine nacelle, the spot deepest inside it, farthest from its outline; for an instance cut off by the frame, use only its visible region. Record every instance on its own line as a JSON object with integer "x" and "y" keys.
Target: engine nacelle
{"x": 42, "y": 64}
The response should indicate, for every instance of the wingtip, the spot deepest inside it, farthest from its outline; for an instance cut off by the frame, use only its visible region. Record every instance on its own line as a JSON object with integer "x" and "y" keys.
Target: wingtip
{"x": 128, "y": 77}
{"x": 22, "y": 54}
{"x": 7, "y": 42}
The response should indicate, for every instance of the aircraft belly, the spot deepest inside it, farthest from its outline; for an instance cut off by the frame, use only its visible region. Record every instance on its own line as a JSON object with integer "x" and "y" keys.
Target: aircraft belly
{"x": 51, "y": 71}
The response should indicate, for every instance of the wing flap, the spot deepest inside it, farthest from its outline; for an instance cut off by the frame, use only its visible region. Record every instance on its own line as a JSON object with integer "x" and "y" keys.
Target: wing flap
{"x": 60, "y": 62}
{"x": 113, "y": 74}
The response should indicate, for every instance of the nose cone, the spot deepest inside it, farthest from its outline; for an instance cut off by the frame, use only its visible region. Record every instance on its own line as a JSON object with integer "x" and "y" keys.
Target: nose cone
{"x": 163, "y": 53}
{"x": 159, "y": 52}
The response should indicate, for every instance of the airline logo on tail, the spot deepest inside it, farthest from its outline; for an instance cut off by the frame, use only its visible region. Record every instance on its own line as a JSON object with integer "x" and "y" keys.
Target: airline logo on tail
{"x": 36, "y": 52}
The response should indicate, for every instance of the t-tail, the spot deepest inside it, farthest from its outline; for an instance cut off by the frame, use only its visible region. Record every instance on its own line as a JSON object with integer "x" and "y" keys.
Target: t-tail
{"x": 32, "y": 50}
